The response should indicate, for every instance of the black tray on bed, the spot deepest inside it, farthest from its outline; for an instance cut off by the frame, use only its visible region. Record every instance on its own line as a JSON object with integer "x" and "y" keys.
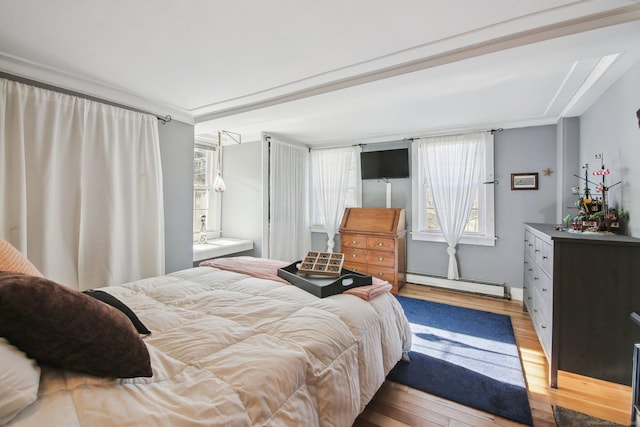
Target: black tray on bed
{"x": 323, "y": 286}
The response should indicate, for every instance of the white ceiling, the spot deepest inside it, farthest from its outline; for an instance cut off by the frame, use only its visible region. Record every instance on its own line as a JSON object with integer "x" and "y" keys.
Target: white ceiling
{"x": 331, "y": 72}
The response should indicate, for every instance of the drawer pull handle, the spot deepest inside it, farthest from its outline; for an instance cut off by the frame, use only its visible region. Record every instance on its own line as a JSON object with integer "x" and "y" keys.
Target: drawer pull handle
{"x": 543, "y": 326}
{"x": 535, "y": 310}
{"x": 535, "y": 278}
{"x": 530, "y": 244}
{"x": 544, "y": 257}
{"x": 531, "y": 269}
{"x": 537, "y": 250}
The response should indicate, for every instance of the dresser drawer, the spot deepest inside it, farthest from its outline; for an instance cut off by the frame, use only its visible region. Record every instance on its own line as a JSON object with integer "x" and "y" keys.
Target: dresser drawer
{"x": 529, "y": 243}
{"x": 543, "y": 285}
{"x": 355, "y": 255}
{"x": 383, "y": 259}
{"x": 543, "y": 322}
{"x": 381, "y": 244}
{"x": 353, "y": 241}
{"x": 355, "y": 266}
{"x": 383, "y": 273}
{"x": 529, "y": 272}
{"x": 528, "y": 284}
{"x": 544, "y": 255}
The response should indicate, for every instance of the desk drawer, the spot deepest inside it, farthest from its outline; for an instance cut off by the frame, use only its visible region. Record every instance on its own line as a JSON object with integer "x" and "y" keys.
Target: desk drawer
{"x": 353, "y": 241}
{"x": 355, "y": 255}
{"x": 381, "y": 244}
{"x": 355, "y": 266}
{"x": 383, "y": 273}
{"x": 383, "y": 259}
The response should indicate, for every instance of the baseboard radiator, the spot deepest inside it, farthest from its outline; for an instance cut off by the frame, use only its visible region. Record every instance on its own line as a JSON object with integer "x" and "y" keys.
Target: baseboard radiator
{"x": 498, "y": 290}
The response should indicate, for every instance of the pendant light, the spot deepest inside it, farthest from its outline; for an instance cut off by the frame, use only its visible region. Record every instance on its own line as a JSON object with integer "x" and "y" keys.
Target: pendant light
{"x": 218, "y": 184}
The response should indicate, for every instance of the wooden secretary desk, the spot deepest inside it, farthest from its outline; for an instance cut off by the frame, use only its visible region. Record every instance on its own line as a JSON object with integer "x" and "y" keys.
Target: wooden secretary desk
{"x": 374, "y": 242}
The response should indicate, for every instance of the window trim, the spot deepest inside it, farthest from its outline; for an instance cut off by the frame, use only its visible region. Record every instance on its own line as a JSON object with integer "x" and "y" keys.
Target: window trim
{"x": 488, "y": 238}
{"x": 214, "y": 229}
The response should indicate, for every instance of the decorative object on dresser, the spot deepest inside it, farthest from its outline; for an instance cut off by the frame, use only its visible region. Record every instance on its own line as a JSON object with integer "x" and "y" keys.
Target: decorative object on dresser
{"x": 374, "y": 242}
{"x": 594, "y": 213}
{"x": 579, "y": 290}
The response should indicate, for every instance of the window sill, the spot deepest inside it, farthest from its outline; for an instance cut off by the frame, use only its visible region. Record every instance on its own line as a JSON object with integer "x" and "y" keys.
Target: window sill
{"x": 220, "y": 247}
{"x": 465, "y": 240}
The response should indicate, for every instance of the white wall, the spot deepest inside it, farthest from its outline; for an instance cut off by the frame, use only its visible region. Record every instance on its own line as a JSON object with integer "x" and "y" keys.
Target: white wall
{"x": 242, "y": 200}
{"x": 610, "y": 127}
{"x": 176, "y": 152}
{"x": 516, "y": 150}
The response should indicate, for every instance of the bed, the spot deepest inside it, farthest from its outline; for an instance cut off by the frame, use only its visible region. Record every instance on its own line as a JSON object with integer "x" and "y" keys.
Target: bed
{"x": 228, "y": 348}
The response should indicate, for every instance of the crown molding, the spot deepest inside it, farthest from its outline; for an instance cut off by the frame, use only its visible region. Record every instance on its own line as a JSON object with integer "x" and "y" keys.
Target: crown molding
{"x": 279, "y": 95}
{"x": 20, "y": 67}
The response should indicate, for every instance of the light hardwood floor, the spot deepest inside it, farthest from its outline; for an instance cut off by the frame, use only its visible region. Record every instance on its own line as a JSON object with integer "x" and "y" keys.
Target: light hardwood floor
{"x": 398, "y": 405}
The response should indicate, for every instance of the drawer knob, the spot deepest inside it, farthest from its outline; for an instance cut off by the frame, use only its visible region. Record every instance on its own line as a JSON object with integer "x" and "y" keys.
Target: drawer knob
{"x": 535, "y": 278}
{"x": 543, "y": 326}
{"x": 530, "y": 244}
{"x": 380, "y": 244}
{"x": 380, "y": 274}
{"x": 544, "y": 289}
{"x": 544, "y": 257}
{"x": 531, "y": 269}
{"x": 353, "y": 242}
{"x": 537, "y": 250}
{"x": 380, "y": 258}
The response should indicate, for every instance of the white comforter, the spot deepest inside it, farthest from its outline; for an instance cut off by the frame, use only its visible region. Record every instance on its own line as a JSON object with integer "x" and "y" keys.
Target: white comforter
{"x": 232, "y": 350}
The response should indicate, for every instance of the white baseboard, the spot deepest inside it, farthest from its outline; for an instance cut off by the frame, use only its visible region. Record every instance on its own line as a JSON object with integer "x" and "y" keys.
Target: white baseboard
{"x": 493, "y": 289}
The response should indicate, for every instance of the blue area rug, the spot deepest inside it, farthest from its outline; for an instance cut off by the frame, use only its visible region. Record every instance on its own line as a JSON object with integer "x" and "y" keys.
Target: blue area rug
{"x": 464, "y": 355}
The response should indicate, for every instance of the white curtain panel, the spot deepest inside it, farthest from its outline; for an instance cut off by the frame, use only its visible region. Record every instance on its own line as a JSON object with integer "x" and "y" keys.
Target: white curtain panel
{"x": 452, "y": 169}
{"x": 81, "y": 187}
{"x": 289, "y": 231}
{"x": 330, "y": 183}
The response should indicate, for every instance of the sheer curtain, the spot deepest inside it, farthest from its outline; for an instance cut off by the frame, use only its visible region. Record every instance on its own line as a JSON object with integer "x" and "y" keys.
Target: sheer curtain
{"x": 81, "y": 187}
{"x": 289, "y": 232}
{"x": 331, "y": 178}
{"x": 452, "y": 169}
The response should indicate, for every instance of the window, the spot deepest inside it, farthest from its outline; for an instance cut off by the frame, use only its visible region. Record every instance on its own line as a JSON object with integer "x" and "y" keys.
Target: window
{"x": 479, "y": 229}
{"x": 206, "y": 201}
{"x": 353, "y": 196}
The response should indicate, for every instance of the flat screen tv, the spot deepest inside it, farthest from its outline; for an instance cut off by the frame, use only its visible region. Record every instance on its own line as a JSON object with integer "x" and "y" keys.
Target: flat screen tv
{"x": 385, "y": 164}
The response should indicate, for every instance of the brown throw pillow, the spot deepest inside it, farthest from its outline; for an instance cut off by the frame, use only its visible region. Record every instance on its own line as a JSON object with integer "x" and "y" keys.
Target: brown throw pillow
{"x": 66, "y": 329}
{"x": 12, "y": 259}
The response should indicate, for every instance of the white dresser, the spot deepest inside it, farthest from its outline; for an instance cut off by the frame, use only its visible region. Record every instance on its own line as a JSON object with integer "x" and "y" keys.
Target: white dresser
{"x": 538, "y": 284}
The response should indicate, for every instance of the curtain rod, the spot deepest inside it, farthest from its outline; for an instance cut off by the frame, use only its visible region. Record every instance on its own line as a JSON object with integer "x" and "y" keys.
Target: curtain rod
{"x": 413, "y": 138}
{"x": 162, "y": 119}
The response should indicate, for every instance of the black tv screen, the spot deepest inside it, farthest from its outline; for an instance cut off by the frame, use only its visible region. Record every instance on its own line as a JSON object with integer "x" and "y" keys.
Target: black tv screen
{"x": 385, "y": 164}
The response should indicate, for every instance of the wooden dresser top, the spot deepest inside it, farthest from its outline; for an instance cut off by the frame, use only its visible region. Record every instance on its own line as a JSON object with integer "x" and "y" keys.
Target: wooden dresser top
{"x": 389, "y": 221}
